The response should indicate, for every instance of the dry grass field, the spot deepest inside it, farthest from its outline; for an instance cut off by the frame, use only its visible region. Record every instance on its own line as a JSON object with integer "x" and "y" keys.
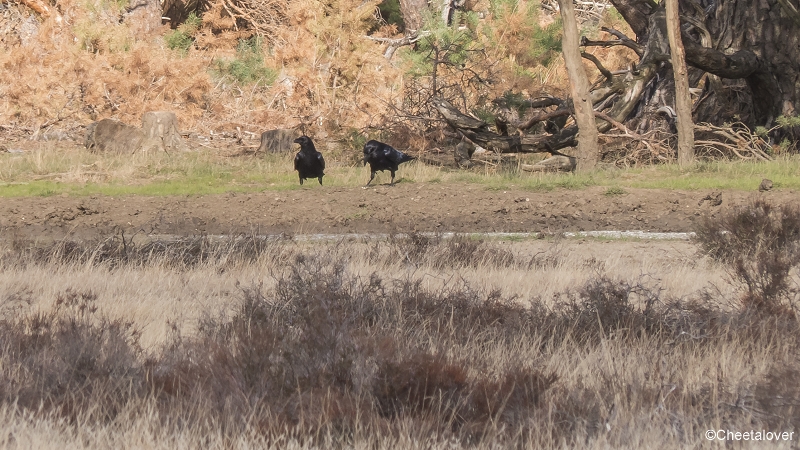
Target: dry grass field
{"x": 411, "y": 342}
{"x": 213, "y": 337}
{"x": 146, "y": 300}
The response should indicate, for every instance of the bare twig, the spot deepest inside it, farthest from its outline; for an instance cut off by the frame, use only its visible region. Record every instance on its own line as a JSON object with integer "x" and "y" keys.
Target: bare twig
{"x": 606, "y": 73}
{"x": 621, "y": 40}
{"x": 394, "y": 44}
{"x": 735, "y": 139}
{"x": 264, "y": 16}
{"x": 542, "y": 117}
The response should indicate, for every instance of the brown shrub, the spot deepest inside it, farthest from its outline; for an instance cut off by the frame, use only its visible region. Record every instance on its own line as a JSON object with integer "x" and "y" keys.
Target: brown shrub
{"x": 120, "y": 251}
{"x": 760, "y": 244}
{"x": 511, "y": 399}
{"x": 420, "y": 383}
{"x": 324, "y": 355}
{"x": 68, "y": 362}
{"x": 440, "y": 253}
{"x": 778, "y": 396}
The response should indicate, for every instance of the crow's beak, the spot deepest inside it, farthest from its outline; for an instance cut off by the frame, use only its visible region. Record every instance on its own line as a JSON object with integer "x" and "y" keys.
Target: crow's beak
{"x": 296, "y": 141}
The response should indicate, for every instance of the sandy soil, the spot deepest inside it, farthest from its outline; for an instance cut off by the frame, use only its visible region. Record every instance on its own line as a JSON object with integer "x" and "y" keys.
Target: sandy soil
{"x": 403, "y": 207}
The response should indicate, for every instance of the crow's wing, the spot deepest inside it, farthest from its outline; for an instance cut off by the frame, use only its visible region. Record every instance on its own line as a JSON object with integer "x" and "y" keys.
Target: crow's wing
{"x": 321, "y": 160}
{"x": 394, "y": 155}
{"x": 297, "y": 160}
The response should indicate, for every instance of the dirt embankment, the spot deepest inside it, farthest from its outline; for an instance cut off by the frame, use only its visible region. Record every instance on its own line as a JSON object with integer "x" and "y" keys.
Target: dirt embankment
{"x": 399, "y": 208}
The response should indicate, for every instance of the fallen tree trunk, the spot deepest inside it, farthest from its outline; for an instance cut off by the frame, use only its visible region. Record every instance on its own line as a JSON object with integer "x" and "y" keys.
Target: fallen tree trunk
{"x": 744, "y": 63}
{"x": 556, "y": 163}
{"x": 478, "y": 132}
{"x": 456, "y": 118}
{"x": 755, "y": 47}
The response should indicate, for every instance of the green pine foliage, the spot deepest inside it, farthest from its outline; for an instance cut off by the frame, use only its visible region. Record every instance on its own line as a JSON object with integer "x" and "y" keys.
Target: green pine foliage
{"x": 390, "y": 12}
{"x": 248, "y": 67}
{"x": 182, "y": 38}
{"x": 443, "y": 46}
{"x": 515, "y": 31}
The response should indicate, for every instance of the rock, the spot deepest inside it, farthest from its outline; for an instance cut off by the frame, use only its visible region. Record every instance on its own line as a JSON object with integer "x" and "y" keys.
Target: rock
{"x": 277, "y": 141}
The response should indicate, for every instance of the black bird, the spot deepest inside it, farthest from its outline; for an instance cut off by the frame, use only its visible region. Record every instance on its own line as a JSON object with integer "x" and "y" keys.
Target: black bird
{"x": 309, "y": 163}
{"x": 382, "y": 157}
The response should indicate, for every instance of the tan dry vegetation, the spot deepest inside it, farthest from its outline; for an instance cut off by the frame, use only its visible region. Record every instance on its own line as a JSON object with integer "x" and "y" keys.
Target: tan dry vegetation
{"x": 85, "y": 64}
{"x": 88, "y": 66}
{"x": 526, "y": 344}
{"x": 156, "y": 297}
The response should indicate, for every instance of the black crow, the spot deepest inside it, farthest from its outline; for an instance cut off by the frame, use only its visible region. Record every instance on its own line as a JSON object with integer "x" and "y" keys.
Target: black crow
{"x": 309, "y": 163}
{"x": 382, "y": 157}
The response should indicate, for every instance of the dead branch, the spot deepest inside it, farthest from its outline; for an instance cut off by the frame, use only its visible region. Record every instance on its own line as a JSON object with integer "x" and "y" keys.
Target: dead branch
{"x": 39, "y": 7}
{"x": 539, "y": 102}
{"x": 735, "y": 139}
{"x": 542, "y": 117}
{"x": 606, "y": 73}
{"x": 628, "y": 42}
{"x": 621, "y": 40}
{"x": 623, "y": 150}
{"x": 394, "y": 44}
{"x": 790, "y": 10}
{"x": 263, "y": 16}
{"x": 456, "y": 118}
{"x": 653, "y": 147}
{"x": 618, "y": 125}
{"x": 604, "y": 103}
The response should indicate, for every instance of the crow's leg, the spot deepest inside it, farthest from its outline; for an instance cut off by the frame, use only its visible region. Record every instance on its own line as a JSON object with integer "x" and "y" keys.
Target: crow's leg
{"x": 372, "y": 177}
{"x": 392, "y": 183}
{"x": 301, "y": 180}
{"x": 320, "y": 181}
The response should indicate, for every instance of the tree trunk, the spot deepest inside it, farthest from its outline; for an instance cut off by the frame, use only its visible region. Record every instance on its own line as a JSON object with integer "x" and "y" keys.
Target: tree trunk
{"x": 587, "y": 153}
{"x": 143, "y": 17}
{"x": 750, "y": 52}
{"x": 683, "y": 100}
{"x": 412, "y": 11}
{"x": 277, "y": 141}
{"x": 743, "y": 61}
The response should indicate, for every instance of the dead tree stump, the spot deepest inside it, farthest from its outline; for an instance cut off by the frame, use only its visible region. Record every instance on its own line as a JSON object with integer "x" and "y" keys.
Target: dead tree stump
{"x": 463, "y": 153}
{"x": 277, "y": 141}
{"x": 161, "y": 130}
{"x": 111, "y": 136}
